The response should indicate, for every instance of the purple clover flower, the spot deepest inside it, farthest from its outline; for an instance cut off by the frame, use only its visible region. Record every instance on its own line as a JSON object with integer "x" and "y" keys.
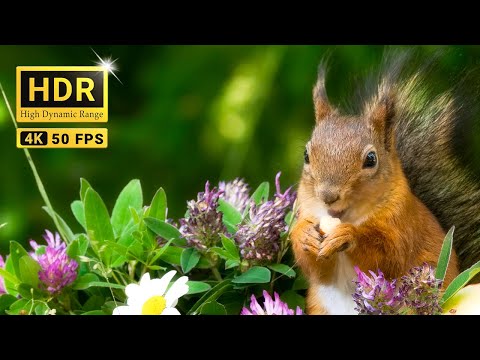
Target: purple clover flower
{"x": 236, "y": 193}
{"x": 376, "y": 295}
{"x": 416, "y": 293}
{"x": 259, "y": 238}
{"x": 270, "y": 306}
{"x": 204, "y": 224}
{"x": 421, "y": 290}
{"x": 58, "y": 269}
{"x": 2, "y": 282}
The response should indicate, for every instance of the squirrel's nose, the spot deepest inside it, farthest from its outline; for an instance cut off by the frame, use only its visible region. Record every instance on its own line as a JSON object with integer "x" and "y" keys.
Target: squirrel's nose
{"x": 329, "y": 197}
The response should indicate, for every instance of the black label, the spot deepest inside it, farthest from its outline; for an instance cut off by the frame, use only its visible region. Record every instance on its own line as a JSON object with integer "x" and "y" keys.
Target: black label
{"x": 34, "y": 138}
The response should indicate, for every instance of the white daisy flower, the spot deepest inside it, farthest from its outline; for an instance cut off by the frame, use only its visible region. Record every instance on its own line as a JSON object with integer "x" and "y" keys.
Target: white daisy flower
{"x": 150, "y": 297}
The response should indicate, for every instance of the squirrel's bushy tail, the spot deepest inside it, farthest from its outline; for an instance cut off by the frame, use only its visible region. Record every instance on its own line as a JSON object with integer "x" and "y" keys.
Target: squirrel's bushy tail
{"x": 438, "y": 141}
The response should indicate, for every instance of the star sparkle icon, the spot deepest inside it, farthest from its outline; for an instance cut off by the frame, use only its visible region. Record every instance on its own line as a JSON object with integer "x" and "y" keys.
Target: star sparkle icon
{"x": 108, "y": 64}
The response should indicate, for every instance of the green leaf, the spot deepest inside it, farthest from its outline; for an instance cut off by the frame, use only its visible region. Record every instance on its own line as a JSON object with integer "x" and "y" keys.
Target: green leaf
{"x": 84, "y": 186}
{"x": 65, "y": 229}
{"x": 29, "y": 269}
{"x": 136, "y": 248}
{"x": 158, "y": 207}
{"x": 232, "y": 229}
{"x": 106, "y": 284}
{"x": 130, "y": 196}
{"x": 72, "y": 249}
{"x": 16, "y": 253}
{"x": 444, "y": 257}
{"x": 254, "y": 275}
{"x": 41, "y": 309}
{"x": 134, "y": 213}
{"x": 203, "y": 263}
{"x": 78, "y": 247}
{"x": 230, "y": 214}
{"x": 156, "y": 267}
{"x": 18, "y": 306}
{"x": 460, "y": 281}
{"x": 172, "y": 255}
{"x": 261, "y": 194}
{"x": 119, "y": 251}
{"x": 230, "y": 246}
{"x": 94, "y": 302}
{"x": 82, "y": 244}
{"x": 109, "y": 306}
{"x": 165, "y": 230}
{"x": 222, "y": 253}
{"x": 2, "y": 225}
{"x": 293, "y": 300}
{"x": 27, "y": 291}
{"x": 211, "y": 295}
{"x": 126, "y": 245}
{"x": 283, "y": 269}
{"x": 83, "y": 282}
{"x": 160, "y": 251}
{"x": 300, "y": 283}
{"x": 189, "y": 259}
{"x": 9, "y": 277}
{"x": 98, "y": 223}
{"x": 233, "y": 302}
{"x": 289, "y": 219}
{"x": 212, "y": 308}
{"x": 195, "y": 287}
{"x": 5, "y": 301}
{"x": 231, "y": 263}
{"x": 40, "y": 250}
{"x": 79, "y": 212}
{"x": 94, "y": 312}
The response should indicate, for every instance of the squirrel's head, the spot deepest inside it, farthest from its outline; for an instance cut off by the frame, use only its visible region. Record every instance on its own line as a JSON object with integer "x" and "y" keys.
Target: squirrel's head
{"x": 349, "y": 159}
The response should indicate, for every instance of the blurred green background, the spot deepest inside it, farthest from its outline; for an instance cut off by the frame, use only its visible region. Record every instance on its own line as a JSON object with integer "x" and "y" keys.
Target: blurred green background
{"x": 184, "y": 115}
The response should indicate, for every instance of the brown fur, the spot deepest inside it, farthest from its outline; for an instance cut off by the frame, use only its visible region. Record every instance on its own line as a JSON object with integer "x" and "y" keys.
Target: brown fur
{"x": 384, "y": 225}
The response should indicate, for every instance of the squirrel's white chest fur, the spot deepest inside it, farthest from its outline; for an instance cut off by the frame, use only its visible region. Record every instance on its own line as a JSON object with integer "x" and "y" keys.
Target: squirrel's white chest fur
{"x": 336, "y": 297}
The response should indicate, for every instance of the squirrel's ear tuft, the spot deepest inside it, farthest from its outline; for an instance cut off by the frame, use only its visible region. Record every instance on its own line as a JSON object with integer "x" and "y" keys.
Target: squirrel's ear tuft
{"x": 320, "y": 99}
{"x": 381, "y": 117}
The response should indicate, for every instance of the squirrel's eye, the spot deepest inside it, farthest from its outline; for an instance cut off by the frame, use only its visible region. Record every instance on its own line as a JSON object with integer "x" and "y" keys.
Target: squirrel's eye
{"x": 305, "y": 157}
{"x": 370, "y": 160}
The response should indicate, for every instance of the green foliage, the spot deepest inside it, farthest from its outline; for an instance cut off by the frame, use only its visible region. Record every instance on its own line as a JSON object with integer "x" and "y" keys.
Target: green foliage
{"x": 130, "y": 197}
{"x": 99, "y": 228}
{"x": 158, "y": 207}
{"x": 212, "y": 308}
{"x": 254, "y": 275}
{"x": 444, "y": 257}
{"x": 196, "y": 287}
{"x": 189, "y": 259}
{"x": 165, "y": 230}
{"x": 460, "y": 281}
{"x": 261, "y": 194}
{"x": 79, "y": 212}
{"x": 283, "y": 269}
{"x": 231, "y": 216}
{"x": 117, "y": 250}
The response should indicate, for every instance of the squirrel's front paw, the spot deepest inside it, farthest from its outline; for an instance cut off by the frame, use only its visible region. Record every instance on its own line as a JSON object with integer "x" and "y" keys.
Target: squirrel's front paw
{"x": 340, "y": 239}
{"x": 308, "y": 235}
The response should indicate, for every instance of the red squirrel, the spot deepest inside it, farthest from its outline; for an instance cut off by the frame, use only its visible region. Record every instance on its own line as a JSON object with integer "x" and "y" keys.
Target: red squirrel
{"x": 353, "y": 174}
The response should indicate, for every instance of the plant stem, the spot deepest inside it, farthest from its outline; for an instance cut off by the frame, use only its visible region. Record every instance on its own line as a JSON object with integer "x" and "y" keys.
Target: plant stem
{"x": 214, "y": 269}
{"x": 216, "y": 273}
{"x": 38, "y": 180}
{"x": 116, "y": 279}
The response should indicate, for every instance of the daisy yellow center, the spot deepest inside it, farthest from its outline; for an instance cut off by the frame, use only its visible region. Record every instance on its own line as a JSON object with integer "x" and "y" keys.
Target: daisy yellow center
{"x": 154, "y": 306}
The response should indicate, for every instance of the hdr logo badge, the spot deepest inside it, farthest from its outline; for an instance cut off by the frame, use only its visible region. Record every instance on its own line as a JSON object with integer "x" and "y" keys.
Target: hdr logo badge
{"x": 62, "y": 94}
